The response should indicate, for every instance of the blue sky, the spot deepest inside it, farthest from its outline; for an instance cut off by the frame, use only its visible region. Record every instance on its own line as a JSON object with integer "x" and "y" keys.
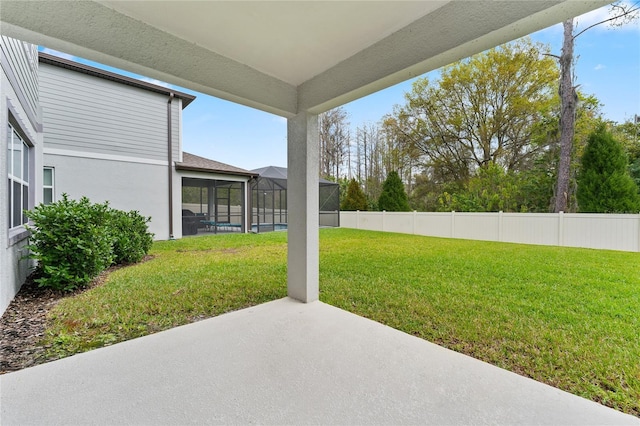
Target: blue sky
{"x": 608, "y": 67}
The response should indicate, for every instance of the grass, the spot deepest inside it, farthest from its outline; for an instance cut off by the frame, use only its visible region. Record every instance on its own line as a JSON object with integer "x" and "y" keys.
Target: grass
{"x": 187, "y": 280}
{"x": 567, "y": 317}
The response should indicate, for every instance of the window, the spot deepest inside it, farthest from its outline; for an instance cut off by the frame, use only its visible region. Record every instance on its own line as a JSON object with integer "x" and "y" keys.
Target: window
{"x": 18, "y": 168}
{"x": 48, "y": 196}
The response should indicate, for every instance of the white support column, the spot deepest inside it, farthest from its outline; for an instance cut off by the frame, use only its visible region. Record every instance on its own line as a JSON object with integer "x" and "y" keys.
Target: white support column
{"x": 303, "y": 206}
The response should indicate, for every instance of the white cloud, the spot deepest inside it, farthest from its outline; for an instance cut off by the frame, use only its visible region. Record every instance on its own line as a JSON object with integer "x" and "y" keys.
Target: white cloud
{"x": 604, "y": 13}
{"x": 592, "y": 17}
{"x": 599, "y": 67}
{"x": 584, "y": 21}
{"x": 156, "y": 82}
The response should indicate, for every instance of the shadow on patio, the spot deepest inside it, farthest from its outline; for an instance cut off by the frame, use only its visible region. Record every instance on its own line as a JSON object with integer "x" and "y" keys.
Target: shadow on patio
{"x": 285, "y": 362}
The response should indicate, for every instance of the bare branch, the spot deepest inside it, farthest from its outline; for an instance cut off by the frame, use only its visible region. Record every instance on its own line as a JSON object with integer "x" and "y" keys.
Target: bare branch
{"x": 626, "y": 12}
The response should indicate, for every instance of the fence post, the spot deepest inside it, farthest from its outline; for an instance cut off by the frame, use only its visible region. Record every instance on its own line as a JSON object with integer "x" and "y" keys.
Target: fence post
{"x": 357, "y": 219}
{"x": 638, "y": 232}
{"x": 500, "y": 225}
{"x": 413, "y": 227}
{"x": 561, "y": 228}
{"x": 453, "y": 221}
{"x": 383, "y": 213}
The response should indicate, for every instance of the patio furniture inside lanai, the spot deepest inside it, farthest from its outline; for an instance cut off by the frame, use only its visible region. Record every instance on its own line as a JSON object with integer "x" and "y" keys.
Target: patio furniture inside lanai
{"x": 211, "y": 205}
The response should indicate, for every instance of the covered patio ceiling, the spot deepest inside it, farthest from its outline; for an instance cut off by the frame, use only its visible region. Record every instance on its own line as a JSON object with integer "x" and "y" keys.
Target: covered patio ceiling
{"x": 283, "y": 57}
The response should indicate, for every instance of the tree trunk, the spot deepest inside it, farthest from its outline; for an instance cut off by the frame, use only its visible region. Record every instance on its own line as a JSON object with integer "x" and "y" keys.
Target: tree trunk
{"x": 568, "y": 104}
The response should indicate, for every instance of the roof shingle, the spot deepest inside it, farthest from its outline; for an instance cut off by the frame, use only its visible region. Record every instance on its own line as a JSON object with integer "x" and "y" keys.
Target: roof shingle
{"x": 200, "y": 164}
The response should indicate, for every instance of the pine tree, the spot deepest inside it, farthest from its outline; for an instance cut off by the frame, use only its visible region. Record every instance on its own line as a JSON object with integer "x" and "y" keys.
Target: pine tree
{"x": 393, "y": 197}
{"x": 355, "y": 198}
{"x": 604, "y": 183}
{"x": 623, "y": 13}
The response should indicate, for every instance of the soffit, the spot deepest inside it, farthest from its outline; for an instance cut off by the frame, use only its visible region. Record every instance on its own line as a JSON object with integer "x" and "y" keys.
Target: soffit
{"x": 291, "y": 41}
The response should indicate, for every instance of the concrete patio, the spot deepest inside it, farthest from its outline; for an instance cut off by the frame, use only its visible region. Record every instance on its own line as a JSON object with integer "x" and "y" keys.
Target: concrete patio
{"x": 285, "y": 362}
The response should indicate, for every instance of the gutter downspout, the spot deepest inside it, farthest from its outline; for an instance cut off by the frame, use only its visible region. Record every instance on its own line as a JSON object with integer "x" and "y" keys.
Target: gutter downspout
{"x": 170, "y": 165}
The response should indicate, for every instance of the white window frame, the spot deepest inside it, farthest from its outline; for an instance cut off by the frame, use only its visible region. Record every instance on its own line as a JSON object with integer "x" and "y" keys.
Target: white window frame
{"x": 51, "y": 187}
{"x": 23, "y": 181}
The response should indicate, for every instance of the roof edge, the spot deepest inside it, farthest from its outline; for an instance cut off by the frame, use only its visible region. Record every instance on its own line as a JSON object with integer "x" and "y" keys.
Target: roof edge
{"x": 108, "y": 75}
{"x": 221, "y": 172}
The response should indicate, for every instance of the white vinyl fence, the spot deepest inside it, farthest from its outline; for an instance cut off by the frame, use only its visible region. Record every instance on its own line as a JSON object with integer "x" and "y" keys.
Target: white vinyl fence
{"x": 599, "y": 231}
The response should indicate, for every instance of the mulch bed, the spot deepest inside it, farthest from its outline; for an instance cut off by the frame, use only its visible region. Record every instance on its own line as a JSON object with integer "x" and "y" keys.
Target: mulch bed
{"x": 23, "y": 324}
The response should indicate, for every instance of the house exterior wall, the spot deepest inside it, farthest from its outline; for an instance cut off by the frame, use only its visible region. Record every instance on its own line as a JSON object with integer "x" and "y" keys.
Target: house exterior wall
{"x": 18, "y": 100}
{"x": 126, "y": 184}
{"x": 108, "y": 141}
{"x": 91, "y": 114}
{"x": 20, "y": 65}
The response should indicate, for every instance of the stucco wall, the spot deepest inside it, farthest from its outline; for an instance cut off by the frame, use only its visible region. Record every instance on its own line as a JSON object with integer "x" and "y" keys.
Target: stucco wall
{"x": 126, "y": 184}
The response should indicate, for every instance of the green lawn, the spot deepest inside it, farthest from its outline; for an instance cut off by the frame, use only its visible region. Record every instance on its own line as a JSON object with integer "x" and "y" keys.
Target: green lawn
{"x": 563, "y": 316}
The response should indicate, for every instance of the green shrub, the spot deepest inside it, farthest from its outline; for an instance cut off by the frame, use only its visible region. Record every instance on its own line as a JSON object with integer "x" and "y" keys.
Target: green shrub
{"x": 604, "y": 182}
{"x": 393, "y": 197}
{"x": 492, "y": 189}
{"x": 70, "y": 241}
{"x": 355, "y": 198}
{"x": 73, "y": 241}
{"x": 131, "y": 238}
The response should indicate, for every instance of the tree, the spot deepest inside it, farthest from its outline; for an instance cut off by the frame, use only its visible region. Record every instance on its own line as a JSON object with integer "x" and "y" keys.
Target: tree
{"x": 604, "y": 183}
{"x": 355, "y": 198}
{"x": 399, "y": 154}
{"x": 491, "y": 190}
{"x": 498, "y": 108}
{"x": 628, "y": 134}
{"x": 622, "y": 13}
{"x": 568, "y": 102}
{"x": 586, "y": 120}
{"x": 370, "y": 168}
{"x": 483, "y": 110}
{"x": 393, "y": 197}
{"x": 425, "y": 193}
{"x": 334, "y": 142}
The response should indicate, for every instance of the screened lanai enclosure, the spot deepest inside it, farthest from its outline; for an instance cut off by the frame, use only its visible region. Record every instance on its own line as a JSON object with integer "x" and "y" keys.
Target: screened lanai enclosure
{"x": 212, "y": 206}
{"x": 269, "y": 201}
